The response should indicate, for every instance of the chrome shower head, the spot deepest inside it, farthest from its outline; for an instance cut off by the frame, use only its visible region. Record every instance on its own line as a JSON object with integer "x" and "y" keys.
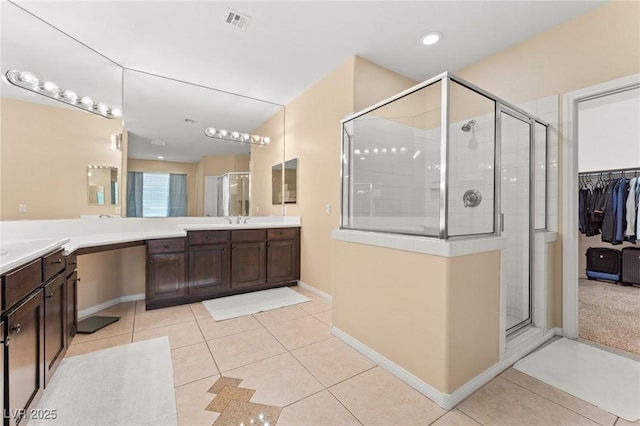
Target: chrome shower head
{"x": 468, "y": 126}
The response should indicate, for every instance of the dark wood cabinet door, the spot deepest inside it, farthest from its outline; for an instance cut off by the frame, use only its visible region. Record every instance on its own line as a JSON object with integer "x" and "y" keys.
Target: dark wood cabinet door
{"x": 248, "y": 265}
{"x": 25, "y": 357}
{"x": 71, "y": 310}
{"x": 281, "y": 261}
{"x": 2, "y": 382}
{"x": 55, "y": 306}
{"x": 166, "y": 277}
{"x": 208, "y": 270}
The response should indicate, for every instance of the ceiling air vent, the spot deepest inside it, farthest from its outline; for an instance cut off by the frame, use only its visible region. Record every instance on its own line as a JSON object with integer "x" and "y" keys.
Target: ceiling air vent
{"x": 158, "y": 142}
{"x": 237, "y": 19}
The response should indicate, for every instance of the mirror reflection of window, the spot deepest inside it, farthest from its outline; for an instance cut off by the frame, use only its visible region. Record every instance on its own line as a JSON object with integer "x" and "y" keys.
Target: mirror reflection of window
{"x": 151, "y": 194}
{"x": 102, "y": 184}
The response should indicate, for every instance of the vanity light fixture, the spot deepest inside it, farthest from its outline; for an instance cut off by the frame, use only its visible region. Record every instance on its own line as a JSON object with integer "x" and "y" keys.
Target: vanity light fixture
{"x": 431, "y": 38}
{"x": 28, "y": 81}
{"x": 235, "y": 136}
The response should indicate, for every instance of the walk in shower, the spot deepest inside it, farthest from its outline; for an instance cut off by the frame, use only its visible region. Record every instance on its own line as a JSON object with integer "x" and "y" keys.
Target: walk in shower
{"x": 448, "y": 160}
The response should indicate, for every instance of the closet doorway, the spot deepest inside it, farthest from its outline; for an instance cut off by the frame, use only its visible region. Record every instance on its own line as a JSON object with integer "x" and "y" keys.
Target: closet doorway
{"x": 602, "y": 130}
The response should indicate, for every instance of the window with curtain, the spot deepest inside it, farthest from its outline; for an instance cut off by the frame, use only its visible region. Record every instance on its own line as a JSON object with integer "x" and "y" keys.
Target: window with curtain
{"x": 151, "y": 194}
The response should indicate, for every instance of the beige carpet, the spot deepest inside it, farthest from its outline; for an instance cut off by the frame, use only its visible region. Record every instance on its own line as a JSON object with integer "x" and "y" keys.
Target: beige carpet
{"x": 610, "y": 315}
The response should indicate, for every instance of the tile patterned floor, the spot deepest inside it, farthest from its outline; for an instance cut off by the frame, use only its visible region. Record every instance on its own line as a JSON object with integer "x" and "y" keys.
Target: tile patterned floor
{"x": 283, "y": 367}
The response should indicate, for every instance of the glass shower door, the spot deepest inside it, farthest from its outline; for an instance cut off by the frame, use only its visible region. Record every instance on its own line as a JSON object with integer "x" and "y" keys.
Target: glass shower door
{"x": 515, "y": 201}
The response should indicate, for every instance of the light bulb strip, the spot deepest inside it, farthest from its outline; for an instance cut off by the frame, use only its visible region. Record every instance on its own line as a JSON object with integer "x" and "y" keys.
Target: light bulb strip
{"x": 26, "y": 80}
{"x": 234, "y": 136}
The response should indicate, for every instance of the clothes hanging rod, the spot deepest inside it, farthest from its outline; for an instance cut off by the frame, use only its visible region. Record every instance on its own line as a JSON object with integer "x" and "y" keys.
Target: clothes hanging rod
{"x": 599, "y": 172}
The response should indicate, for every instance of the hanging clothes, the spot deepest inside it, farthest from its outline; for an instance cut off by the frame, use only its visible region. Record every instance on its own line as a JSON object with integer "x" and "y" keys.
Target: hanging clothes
{"x": 610, "y": 207}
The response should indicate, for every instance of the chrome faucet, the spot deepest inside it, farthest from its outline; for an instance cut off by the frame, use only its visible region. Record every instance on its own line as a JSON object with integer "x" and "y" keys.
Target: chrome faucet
{"x": 246, "y": 219}
{"x": 229, "y": 219}
{"x": 238, "y": 219}
{"x": 105, "y": 215}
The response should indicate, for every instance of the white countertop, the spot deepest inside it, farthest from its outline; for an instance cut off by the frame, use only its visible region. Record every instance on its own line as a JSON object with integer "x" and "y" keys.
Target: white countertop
{"x": 23, "y": 241}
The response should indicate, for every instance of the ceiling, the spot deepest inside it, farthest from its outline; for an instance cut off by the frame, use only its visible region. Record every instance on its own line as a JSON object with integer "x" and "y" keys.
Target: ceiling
{"x": 285, "y": 48}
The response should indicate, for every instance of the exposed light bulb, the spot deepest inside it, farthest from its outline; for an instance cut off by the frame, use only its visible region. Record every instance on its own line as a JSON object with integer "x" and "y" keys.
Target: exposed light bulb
{"x": 235, "y": 135}
{"x": 356, "y": 151}
{"x": 393, "y": 149}
{"x": 70, "y": 95}
{"x": 375, "y": 150}
{"x": 245, "y": 136}
{"x": 255, "y": 138}
{"x": 116, "y": 112}
{"x": 403, "y": 149}
{"x": 384, "y": 150}
{"x": 366, "y": 151}
{"x": 27, "y": 77}
{"x": 223, "y": 132}
{"x": 266, "y": 140}
{"x": 210, "y": 131}
{"x": 86, "y": 101}
{"x": 102, "y": 108}
{"x": 50, "y": 86}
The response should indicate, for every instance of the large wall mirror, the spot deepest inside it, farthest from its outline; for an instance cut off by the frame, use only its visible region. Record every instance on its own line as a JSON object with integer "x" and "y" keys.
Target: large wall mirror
{"x": 165, "y": 121}
{"x": 47, "y": 145}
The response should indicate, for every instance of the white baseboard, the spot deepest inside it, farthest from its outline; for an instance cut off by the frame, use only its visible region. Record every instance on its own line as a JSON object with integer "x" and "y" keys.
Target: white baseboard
{"x": 445, "y": 400}
{"x": 97, "y": 308}
{"x": 319, "y": 293}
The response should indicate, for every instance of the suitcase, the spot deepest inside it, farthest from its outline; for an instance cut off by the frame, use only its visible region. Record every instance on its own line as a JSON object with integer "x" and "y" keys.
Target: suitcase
{"x": 603, "y": 264}
{"x": 630, "y": 265}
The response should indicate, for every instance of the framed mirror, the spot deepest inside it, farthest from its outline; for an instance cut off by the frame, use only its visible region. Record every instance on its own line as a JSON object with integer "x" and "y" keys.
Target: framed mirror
{"x": 102, "y": 185}
{"x": 291, "y": 181}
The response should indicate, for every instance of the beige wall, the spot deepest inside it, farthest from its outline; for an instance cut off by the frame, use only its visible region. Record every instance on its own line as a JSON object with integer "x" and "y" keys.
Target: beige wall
{"x": 45, "y": 151}
{"x": 109, "y": 275}
{"x": 313, "y": 135}
{"x": 263, "y": 158}
{"x": 189, "y": 169}
{"x": 215, "y": 165}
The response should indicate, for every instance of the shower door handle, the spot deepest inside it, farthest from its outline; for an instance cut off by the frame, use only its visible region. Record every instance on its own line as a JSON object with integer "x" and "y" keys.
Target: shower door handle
{"x": 501, "y": 222}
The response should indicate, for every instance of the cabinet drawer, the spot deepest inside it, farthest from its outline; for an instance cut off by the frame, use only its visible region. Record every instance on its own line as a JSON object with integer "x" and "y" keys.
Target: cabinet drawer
{"x": 281, "y": 233}
{"x": 168, "y": 245}
{"x": 207, "y": 237}
{"x": 71, "y": 263}
{"x": 20, "y": 282}
{"x": 248, "y": 235}
{"x": 52, "y": 264}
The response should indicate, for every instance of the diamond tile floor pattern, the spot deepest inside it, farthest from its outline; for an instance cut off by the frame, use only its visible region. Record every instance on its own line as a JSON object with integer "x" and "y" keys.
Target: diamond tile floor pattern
{"x": 283, "y": 367}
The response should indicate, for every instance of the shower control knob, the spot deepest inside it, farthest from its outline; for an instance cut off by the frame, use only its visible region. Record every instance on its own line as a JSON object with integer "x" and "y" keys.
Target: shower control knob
{"x": 472, "y": 198}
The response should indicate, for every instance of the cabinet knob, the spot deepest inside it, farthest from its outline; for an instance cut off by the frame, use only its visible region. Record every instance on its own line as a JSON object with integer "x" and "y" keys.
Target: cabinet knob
{"x": 53, "y": 262}
{"x": 166, "y": 246}
{"x": 77, "y": 280}
{"x": 49, "y": 296}
{"x": 151, "y": 262}
{"x": 5, "y": 341}
{"x": 73, "y": 263}
{"x": 17, "y": 329}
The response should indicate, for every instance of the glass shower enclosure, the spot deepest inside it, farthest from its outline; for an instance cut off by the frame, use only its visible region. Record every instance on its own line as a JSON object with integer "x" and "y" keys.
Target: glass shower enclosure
{"x": 448, "y": 160}
{"x": 233, "y": 194}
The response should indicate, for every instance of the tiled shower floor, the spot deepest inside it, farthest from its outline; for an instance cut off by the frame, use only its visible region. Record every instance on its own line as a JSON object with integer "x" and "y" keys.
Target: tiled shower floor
{"x": 289, "y": 370}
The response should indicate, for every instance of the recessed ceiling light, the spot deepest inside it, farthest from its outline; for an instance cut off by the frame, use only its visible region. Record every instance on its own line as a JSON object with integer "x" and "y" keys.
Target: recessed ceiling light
{"x": 189, "y": 120}
{"x": 431, "y": 38}
{"x": 160, "y": 157}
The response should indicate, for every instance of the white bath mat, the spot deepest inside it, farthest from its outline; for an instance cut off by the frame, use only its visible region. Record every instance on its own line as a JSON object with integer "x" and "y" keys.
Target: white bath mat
{"x": 608, "y": 381}
{"x": 252, "y": 303}
{"x": 124, "y": 385}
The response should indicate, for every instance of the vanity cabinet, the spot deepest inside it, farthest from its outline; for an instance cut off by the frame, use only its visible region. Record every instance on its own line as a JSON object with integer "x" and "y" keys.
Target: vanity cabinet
{"x": 166, "y": 272}
{"x": 3, "y": 341}
{"x": 208, "y": 264}
{"x": 248, "y": 260}
{"x": 25, "y": 369}
{"x": 214, "y": 263}
{"x": 283, "y": 255}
